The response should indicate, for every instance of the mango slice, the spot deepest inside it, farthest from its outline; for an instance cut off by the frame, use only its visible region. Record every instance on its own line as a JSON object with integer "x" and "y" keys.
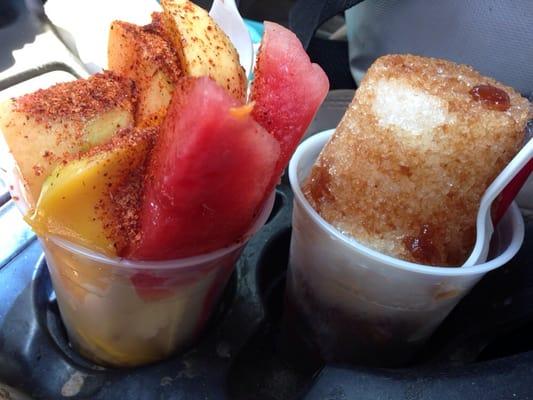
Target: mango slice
{"x": 81, "y": 200}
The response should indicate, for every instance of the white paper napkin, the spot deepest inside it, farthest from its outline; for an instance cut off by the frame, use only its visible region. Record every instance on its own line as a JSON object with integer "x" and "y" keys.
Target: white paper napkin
{"x": 84, "y": 26}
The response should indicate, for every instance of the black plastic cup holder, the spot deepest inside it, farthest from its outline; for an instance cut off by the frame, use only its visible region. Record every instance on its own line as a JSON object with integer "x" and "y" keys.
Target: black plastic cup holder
{"x": 271, "y": 270}
{"x": 280, "y": 201}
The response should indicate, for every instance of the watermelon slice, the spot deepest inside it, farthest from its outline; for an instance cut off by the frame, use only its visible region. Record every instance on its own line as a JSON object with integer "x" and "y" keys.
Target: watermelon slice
{"x": 207, "y": 176}
{"x": 288, "y": 90}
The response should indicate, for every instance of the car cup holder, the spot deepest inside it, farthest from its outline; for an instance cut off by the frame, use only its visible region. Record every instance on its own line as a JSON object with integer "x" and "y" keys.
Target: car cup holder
{"x": 484, "y": 348}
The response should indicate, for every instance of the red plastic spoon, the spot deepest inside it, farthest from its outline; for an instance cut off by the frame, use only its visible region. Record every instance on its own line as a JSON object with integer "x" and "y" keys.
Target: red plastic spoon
{"x": 507, "y": 184}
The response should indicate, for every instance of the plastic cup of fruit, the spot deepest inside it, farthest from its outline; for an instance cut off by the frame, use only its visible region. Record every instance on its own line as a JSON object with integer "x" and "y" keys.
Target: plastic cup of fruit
{"x": 352, "y": 304}
{"x": 126, "y": 313}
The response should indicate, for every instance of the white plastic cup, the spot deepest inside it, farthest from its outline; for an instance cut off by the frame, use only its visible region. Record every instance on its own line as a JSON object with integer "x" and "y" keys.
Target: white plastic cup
{"x": 356, "y": 305}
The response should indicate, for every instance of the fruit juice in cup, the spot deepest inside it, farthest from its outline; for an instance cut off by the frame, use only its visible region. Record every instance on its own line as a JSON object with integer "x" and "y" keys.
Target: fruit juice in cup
{"x": 119, "y": 312}
{"x": 353, "y": 304}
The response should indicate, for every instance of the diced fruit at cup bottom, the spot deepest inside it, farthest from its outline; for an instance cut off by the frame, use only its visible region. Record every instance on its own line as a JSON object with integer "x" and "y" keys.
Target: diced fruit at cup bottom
{"x": 108, "y": 321}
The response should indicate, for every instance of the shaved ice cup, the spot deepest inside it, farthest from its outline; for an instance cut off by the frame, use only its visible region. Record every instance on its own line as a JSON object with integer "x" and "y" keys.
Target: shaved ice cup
{"x": 352, "y": 304}
{"x": 126, "y": 313}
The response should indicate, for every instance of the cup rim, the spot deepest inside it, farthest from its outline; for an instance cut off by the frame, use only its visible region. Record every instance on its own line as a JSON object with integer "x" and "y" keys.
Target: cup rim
{"x": 512, "y": 216}
{"x": 180, "y": 263}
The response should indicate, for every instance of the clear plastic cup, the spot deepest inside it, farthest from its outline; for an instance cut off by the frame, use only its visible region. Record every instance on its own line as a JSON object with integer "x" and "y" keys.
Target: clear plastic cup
{"x": 353, "y": 304}
{"x": 126, "y": 313}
